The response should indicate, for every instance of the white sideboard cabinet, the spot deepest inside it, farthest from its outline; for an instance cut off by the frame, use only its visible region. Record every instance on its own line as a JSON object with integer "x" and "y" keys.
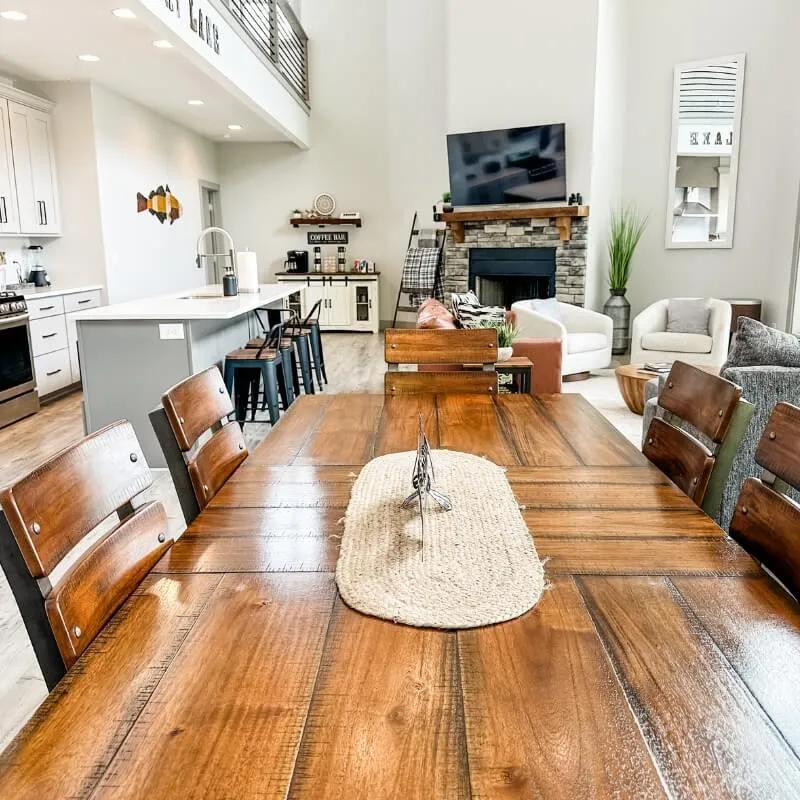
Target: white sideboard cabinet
{"x": 350, "y": 301}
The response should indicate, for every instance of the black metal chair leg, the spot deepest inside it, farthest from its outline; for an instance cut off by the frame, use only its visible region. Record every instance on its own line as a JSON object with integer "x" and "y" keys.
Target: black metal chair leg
{"x": 270, "y": 374}
{"x": 319, "y": 356}
{"x": 287, "y": 373}
{"x": 304, "y": 356}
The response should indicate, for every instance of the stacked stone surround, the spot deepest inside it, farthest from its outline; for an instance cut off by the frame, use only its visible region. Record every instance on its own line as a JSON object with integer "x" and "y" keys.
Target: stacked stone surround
{"x": 570, "y": 256}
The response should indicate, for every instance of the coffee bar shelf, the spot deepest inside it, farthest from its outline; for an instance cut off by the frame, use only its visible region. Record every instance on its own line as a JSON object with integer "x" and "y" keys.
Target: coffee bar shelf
{"x": 562, "y": 216}
{"x": 321, "y": 222}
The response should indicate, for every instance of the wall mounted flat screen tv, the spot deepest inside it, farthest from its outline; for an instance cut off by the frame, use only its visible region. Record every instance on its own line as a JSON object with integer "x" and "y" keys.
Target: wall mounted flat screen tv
{"x": 516, "y": 165}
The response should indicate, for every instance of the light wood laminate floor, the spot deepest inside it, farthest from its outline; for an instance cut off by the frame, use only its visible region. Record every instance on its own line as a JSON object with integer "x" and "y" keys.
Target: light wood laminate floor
{"x": 354, "y": 363}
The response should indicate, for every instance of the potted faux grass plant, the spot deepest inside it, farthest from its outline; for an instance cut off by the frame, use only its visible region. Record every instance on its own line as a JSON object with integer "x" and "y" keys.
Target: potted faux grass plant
{"x": 625, "y": 231}
{"x": 506, "y": 333}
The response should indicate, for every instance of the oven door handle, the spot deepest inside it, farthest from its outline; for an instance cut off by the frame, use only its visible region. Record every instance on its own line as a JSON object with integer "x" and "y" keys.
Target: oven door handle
{"x": 13, "y": 322}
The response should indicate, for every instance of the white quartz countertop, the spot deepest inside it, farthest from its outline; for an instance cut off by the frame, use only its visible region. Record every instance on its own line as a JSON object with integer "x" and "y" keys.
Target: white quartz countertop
{"x": 50, "y": 291}
{"x": 205, "y": 302}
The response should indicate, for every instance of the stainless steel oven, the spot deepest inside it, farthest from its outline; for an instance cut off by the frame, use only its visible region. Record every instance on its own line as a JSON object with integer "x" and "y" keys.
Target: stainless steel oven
{"x": 18, "y": 396}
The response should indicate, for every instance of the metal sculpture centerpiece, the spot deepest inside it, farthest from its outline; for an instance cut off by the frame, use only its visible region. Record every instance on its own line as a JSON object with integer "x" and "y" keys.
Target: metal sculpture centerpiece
{"x": 423, "y": 479}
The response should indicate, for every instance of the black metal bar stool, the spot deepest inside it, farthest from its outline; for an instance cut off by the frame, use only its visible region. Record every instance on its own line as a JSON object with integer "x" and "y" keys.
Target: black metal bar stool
{"x": 271, "y": 363}
{"x": 311, "y": 324}
{"x": 295, "y": 341}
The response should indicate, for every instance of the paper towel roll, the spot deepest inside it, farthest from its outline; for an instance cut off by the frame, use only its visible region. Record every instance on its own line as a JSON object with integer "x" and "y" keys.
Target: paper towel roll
{"x": 247, "y": 264}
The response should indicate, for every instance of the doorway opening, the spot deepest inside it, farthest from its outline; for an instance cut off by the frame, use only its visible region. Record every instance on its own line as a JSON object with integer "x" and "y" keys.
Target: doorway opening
{"x": 212, "y": 217}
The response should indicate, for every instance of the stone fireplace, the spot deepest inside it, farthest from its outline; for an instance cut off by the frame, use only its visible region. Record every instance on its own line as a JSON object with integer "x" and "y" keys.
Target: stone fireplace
{"x": 552, "y": 261}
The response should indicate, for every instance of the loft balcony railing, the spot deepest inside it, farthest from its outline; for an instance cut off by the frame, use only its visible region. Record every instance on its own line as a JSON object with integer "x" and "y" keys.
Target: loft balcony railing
{"x": 274, "y": 29}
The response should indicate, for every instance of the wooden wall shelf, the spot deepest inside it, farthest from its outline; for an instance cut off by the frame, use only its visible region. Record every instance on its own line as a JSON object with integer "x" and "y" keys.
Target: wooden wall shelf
{"x": 321, "y": 222}
{"x": 563, "y": 216}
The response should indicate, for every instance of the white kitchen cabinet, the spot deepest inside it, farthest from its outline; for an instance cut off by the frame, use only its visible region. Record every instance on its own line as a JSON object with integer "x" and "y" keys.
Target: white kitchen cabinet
{"x": 349, "y": 301}
{"x": 9, "y": 218}
{"x": 34, "y": 169}
{"x": 54, "y": 336}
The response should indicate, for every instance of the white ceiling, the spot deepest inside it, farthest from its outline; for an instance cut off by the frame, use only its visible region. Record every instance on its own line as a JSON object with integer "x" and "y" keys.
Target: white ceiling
{"x": 46, "y": 46}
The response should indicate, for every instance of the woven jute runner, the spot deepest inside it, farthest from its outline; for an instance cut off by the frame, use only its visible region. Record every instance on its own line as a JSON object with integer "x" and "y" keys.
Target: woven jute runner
{"x": 475, "y": 565}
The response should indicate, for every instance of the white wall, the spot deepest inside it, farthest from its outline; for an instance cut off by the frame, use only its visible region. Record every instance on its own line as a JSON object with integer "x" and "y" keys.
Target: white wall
{"x": 137, "y": 151}
{"x": 662, "y": 35}
{"x": 77, "y": 258}
{"x": 378, "y": 131}
{"x": 524, "y": 62}
{"x": 608, "y": 148}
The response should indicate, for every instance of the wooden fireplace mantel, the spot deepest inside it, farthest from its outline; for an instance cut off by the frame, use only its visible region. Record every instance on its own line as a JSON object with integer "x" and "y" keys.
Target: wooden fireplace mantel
{"x": 563, "y": 216}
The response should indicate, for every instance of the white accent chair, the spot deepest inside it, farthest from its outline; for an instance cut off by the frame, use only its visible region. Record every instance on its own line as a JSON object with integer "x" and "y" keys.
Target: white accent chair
{"x": 650, "y": 340}
{"x": 585, "y": 335}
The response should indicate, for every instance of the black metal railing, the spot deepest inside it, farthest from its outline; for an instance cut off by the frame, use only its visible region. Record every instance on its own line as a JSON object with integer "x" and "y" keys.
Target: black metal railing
{"x": 275, "y": 30}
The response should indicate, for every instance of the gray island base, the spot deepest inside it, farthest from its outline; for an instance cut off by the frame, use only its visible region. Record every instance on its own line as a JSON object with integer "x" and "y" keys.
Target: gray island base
{"x": 131, "y": 353}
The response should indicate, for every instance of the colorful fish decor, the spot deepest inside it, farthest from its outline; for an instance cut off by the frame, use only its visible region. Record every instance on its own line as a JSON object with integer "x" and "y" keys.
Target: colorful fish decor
{"x": 161, "y": 203}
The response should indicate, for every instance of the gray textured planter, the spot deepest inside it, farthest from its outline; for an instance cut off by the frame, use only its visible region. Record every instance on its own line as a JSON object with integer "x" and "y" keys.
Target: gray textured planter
{"x": 619, "y": 309}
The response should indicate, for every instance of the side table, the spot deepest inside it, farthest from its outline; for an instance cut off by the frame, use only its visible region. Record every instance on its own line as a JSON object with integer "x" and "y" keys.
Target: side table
{"x": 521, "y": 370}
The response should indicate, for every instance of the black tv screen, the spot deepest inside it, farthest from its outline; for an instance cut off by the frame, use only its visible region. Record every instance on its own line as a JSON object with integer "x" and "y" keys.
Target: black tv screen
{"x": 516, "y": 165}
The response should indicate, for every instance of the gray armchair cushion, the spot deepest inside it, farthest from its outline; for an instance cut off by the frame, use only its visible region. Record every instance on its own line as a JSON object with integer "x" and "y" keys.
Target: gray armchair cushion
{"x": 757, "y": 345}
{"x": 688, "y": 315}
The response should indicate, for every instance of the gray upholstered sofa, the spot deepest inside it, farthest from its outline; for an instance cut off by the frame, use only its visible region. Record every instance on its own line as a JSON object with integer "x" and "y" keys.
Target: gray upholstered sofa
{"x": 764, "y": 387}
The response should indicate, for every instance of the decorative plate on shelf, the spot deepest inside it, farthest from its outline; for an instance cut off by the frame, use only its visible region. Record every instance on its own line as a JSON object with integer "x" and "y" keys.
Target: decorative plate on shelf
{"x": 324, "y": 204}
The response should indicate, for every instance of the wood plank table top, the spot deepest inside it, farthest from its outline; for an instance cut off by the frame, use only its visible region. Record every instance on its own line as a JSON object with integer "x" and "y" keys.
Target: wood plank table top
{"x": 661, "y": 662}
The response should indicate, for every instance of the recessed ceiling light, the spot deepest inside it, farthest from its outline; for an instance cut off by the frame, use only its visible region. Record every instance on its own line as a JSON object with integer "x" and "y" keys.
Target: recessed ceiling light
{"x": 162, "y": 43}
{"x": 123, "y": 13}
{"x": 234, "y": 127}
{"x": 13, "y": 16}
{"x": 88, "y": 57}
{"x": 195, "y": 102}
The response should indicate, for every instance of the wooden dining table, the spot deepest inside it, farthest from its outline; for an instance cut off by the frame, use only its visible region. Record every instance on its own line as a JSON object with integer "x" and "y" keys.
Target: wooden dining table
{"x": 660, "y": 662}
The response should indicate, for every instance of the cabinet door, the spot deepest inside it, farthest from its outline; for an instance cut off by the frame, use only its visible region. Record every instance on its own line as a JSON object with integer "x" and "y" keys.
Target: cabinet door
{"x": 32, "y": 146}
{"x": 362, "y": 306}
{"x": 311, "y": 295}
{"x": 339, "y": 312}
{"x": 9, "y": 219}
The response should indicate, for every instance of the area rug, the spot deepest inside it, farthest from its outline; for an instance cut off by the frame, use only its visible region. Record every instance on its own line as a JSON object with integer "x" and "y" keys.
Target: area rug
{"x": 474, "y": 565}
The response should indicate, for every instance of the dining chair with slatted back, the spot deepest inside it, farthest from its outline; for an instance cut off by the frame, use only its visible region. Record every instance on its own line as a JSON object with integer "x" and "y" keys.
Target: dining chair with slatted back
{"x": 193, "y": 409}
{"x": 708, "y": 403}
{"x": 766, "y": 522}
{"x": 447, "y": 361}
{"x": 52, "y": 514}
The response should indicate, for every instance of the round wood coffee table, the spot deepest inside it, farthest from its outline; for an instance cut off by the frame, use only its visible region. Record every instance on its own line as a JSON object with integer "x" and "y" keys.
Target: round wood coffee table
{"x": 632, "y": 381}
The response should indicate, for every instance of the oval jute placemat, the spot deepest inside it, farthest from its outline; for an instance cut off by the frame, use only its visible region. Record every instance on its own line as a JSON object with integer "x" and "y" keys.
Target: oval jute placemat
{"x": 476, "y": 565}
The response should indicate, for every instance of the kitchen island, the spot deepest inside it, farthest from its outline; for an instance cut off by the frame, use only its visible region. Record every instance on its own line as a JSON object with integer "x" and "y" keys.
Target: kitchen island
{"x": 131, "y": 353}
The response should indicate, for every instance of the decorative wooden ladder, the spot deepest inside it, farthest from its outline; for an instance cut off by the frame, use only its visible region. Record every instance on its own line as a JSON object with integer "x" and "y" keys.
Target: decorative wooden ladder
{"x": 436, "y": 290}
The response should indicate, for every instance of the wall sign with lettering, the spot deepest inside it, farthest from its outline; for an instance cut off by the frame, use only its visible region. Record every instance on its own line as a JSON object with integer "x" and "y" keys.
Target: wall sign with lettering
{"x": 338, "y": 237}
{"x": 200, "y": 22}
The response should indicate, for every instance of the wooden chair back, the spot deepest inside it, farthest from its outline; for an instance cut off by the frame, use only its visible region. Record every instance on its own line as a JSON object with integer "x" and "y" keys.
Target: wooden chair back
{"x": 766, "y": 522}
{"x": 193, "y": 407}
{"x": 708, "y": 403}
{"x": 473, "y": 352}
{"x": 49, "y": 512}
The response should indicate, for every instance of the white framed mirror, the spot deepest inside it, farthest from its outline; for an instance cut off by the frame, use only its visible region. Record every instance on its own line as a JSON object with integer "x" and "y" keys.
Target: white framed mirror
{"x": 704, "y": 160}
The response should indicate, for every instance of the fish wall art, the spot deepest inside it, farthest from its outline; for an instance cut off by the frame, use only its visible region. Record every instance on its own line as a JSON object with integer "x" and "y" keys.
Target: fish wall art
{"x": 161, "y": 203}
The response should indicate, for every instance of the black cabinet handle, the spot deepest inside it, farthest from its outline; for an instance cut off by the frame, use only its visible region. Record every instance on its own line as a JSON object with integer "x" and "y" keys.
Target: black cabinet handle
{"x": 83, "y": 302}
{"x": 4, "y": 212}
{"x": 44, "y": 212}
{"x": 46, "y": 308}
{"x": 49, "y": 335}
{"x": 54, "y": 372}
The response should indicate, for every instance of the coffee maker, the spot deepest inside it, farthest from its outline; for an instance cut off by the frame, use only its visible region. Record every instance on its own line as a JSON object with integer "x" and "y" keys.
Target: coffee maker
{"x": 296, "y": 261}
